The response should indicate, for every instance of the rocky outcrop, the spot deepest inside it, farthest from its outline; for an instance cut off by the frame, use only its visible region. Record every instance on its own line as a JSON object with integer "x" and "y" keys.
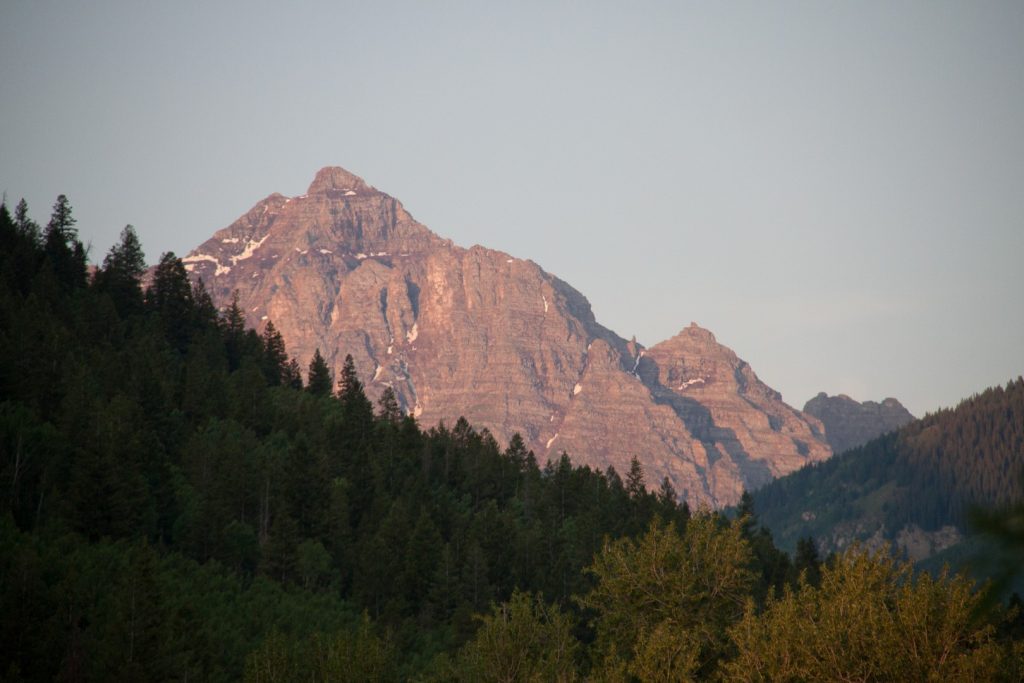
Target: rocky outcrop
{"x": 477, "y": 332}
{"x": 849, "y": 424}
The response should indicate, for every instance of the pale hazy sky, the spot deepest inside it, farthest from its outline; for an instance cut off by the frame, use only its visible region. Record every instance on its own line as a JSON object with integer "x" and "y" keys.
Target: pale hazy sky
{"x": 835, "y": 189}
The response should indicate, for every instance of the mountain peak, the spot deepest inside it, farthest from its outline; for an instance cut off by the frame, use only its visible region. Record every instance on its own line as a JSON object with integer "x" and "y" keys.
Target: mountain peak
{"x": 470, "y": 332}
{"x": 696, "y": 332}
{"x": 336, "y": 178}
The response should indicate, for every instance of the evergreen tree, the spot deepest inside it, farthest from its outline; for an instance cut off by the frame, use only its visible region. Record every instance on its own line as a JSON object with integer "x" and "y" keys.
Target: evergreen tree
{"x": 388, "y": 408}
{"x": 355, "y": 406}
{"x": 204, "y": 310}
{"x": 292, "y": 375}
{"x": 667, "y": 494}
{"x": 27, "y": 227}
{"x": 170, "y": 297}
{"x": 357, "y": 416}
{"x": 121, "y": 275}
{"x": 19, "y": 249}
{"x": 635, "y": 486}
{"x": 318, "y": 380}
{"x": 807, "y": 562}
{"x": 275, "y": 358}
{"x": 64, "y": 252}
{"x": 233, "y": 325}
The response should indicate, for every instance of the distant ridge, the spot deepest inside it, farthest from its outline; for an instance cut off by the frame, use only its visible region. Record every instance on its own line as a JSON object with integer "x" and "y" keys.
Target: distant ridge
{"x": 913, "y": 487}
{"x": 849, "y": 424}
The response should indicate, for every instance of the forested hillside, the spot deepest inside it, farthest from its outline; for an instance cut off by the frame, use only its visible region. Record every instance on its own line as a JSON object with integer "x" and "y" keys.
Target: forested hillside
{"x": 180, "y": 503}
{"x": 926, "y": 476}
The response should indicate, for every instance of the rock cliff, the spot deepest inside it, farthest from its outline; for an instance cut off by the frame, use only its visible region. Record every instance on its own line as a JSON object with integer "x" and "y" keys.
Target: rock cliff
{"x": 849, "y": 424}
{"x": 477, "y": 332}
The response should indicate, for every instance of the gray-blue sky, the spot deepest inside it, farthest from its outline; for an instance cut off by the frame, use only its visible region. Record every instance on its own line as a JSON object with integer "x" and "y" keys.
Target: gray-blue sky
{"x": 835, "y": 189}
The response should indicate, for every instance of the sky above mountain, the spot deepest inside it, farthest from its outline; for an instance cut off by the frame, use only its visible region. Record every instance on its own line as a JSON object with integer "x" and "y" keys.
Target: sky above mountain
{"x": 835, "y": 189}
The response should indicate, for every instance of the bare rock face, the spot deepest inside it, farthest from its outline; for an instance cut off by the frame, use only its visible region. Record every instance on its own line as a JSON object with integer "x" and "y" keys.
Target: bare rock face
{"x": 477, "y": 333}
{"x": 849, "y": 424}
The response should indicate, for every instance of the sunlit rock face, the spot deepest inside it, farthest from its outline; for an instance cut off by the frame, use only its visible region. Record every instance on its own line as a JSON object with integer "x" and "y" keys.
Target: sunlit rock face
{"x": 481, "y": 334}
{"x": 849, "y": 424}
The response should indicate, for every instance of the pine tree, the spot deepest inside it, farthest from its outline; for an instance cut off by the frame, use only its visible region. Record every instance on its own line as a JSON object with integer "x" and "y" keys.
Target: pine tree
{"x": 319, "y": 380}
{"x": 292, "y": 375}
{"x": 348, "y": 382}
{"x": 635, "y": 479}
{"x": 19, "y": 249}
{"x": 745, "y": 513}
{"x": 121, "y": 275}
{"x": 63, "y": 250}
{"x": 275, "y": 358}
{"x": 667, "y": 494}
{"x": 388, "y": 408}
{"x": 233, "y": 326}
{"x": 807, "y": 560}
{"x": 170, "y": 296}
{"x": 356, "y": 408}
{"x": 205, "y": 312}
{"x": 27, "y": 227}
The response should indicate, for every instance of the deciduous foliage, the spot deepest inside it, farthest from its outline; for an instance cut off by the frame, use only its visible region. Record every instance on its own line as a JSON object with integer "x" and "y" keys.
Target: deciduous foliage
{"x": 663, "y": 602}
{"x": 522, "y": 640}
{"x": 870, "y": 619}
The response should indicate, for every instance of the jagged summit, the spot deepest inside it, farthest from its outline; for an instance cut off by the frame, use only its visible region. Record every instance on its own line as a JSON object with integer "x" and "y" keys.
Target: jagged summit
{"x": 695, "y": 331}
{"x": 691, "y": 336}
{"x": 336, "y": 178}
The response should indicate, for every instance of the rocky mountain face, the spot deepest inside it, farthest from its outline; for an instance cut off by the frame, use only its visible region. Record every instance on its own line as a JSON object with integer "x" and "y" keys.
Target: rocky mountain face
{"x": 849, "y": 424}
{"x": 481, "y": 334}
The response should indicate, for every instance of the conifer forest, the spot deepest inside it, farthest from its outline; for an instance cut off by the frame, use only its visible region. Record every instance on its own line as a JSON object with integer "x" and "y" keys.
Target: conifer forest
{"x": 181, "y": 501}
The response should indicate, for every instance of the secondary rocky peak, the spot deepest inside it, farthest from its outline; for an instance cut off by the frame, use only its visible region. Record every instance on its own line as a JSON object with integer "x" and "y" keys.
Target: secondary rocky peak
{"x": 336, "y": 178}
{"x": 849, "y": 424}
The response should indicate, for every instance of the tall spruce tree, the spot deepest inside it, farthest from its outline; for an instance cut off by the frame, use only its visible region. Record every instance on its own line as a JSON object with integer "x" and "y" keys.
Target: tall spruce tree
{"x": 292, "y": 374}
{"x": 121, "y": 275}
{"x": 635, "y": 486}
{"x": 356, "y": 408}
{"x": 275, "y": 358}
{"x": 26, "y": 226}
{"x": 64, "y": 252}
{"x": 318, "y": 380}
{"x": 170, "y": 297}
{"x": 388, "y": 408}
{"x": 233, "y": 324}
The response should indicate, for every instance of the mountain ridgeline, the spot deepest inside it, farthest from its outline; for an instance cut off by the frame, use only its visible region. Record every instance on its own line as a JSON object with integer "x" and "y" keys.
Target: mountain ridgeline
{"x": 346, "y": 270}
{"x": 179, "y": 503}
{"x": 915, "y": 486}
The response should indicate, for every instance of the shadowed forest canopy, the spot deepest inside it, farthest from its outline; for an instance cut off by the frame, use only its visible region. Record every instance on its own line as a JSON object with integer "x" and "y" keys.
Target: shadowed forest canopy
{"x": 178, "y": 503}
